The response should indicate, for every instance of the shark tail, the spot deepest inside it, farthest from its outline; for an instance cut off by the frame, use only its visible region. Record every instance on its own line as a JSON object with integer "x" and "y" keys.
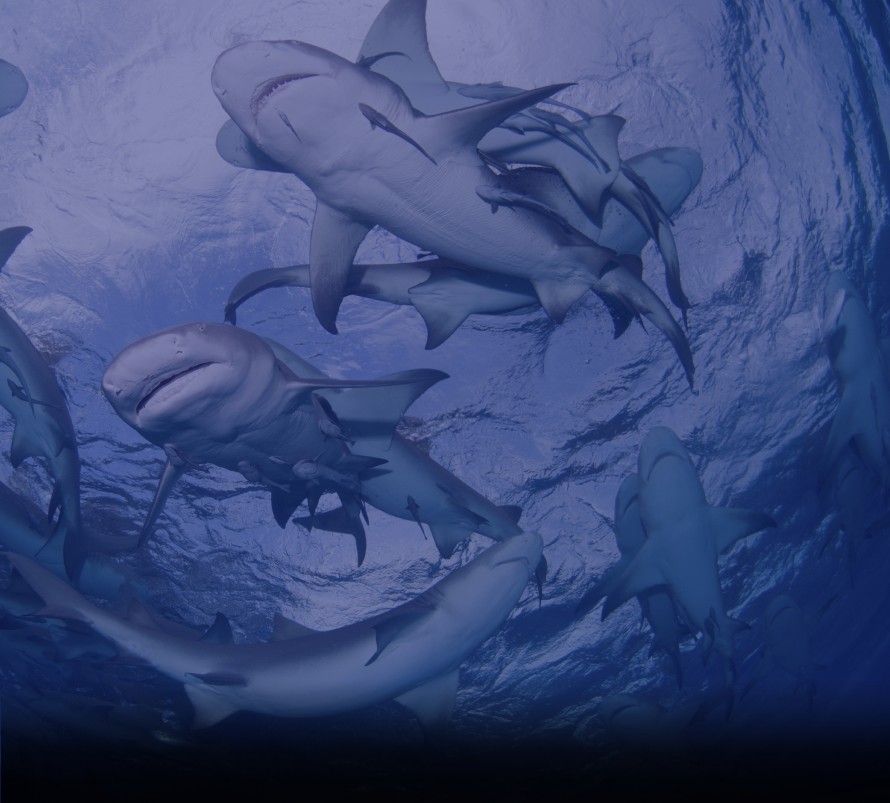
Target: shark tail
{"x": 61, "y": 600}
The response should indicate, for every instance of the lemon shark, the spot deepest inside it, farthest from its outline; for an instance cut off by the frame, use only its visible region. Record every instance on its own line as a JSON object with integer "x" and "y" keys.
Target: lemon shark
{"x": 213, "y": 393}
{"x": 353, "y": 137}
{"x": 13, "y": 87}
{"x": 43, "y": 427}
{"x": 860, "y": 365}
{"x": 445, "y": 294}
{"x": 684, "y": 536}
{"x": 411, "y": 653}
{"x": 656, "y": 604}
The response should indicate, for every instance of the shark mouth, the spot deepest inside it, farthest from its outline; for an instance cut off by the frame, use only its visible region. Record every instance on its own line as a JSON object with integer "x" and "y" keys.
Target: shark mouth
{"x": 662, "y": 456}
{"x": 166, "y": 382}
{"x": 268, "y": 88}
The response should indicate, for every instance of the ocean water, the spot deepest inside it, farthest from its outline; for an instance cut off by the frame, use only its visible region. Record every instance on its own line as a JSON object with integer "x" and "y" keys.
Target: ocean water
{"x": 138, "y": 224}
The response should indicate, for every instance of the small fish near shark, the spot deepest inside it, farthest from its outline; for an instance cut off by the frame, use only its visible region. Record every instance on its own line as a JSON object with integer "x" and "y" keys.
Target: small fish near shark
{"x": 371, "y": 158}
{"x": 13, "y": 87}
{"x": 213, "y": 393}
{"x": 445, "y": 294}
{"x": 411, "y": 653}
{"x": 684, "y": 536}
{"x": 43, "y": 427}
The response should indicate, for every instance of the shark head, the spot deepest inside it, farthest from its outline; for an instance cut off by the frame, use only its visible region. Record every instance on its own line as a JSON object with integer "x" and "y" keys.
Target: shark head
{"x": 173, "y": 377}
{"x": 492, "y": 583}
{"x": 669, "y": 483}
{"x": 298, "y": 103}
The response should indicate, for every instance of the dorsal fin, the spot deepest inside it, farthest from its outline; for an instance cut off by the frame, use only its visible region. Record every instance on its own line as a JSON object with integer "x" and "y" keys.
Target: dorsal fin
{"x": 400, "y": 27}
{"x": 220, "y": 632}
{"x": 462, "y": 128}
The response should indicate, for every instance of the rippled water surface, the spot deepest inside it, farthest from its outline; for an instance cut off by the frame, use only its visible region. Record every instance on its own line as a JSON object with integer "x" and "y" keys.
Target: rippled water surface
{"x": 139, "y": 224}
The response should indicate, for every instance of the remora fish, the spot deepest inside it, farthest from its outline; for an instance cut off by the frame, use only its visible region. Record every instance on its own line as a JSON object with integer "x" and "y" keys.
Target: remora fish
{"x": 13, "y": 87}
{"x": 411, "y": 653}
{"x": 413, "y": 486}
{"x": 860, "y": 365}
{"x": 212, "y": 393}
{"x": 370, "y": 158}
{"x": 445, "y": 294}
{"x": 43, "y": 428}
{"x": 684, "y": 537}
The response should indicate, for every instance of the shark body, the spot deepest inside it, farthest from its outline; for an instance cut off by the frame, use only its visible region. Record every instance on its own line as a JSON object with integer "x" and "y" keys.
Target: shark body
{"x": 371, "y": 158}
{"x": 584, "y": 153}
{"x": 860, "y": 365}
{"x": 43, "y": 427}
{"x": 445, "y": 293}
{"x": 213, "y": 393}
{"x": 684, "y": 537}
{"x": 411, "y": 653}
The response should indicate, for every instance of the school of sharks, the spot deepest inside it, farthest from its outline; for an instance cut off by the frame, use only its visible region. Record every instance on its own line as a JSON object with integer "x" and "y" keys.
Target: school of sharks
{"x": 514, "y": 200}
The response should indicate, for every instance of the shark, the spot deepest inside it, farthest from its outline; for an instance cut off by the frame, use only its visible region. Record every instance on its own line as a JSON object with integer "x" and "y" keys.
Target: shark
{"x": 860, "y": 366}
{"x": 446, "y": 294}
{"x": 13, "y": 87}
{"x": 411, "y": 653}
{"x": 584, "y": 153}
{"x": 787, "y": 645}
{"x": 214, "y": 393}
{"x": 24, "y": 529}
{"x": 684, "y": 536}
{"x": 656, "y": 605}
{"x": 43, "y": 428}
{"x": 353, "y": 137}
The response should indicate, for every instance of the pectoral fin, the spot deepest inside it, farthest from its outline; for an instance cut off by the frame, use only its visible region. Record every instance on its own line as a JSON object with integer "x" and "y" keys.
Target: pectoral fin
{"x": 335, "y": 239}
{"x": 390, "y": 630}
{"x": 728, "y": 524}
{"x": 168, "y": 479}
{"x": 432, "y": 702}
{"x": 209, "y": 707}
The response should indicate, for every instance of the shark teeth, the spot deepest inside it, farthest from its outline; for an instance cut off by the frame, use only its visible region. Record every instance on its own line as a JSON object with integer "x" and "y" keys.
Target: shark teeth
{"x": 166, "y": 382}
{"x": 268, "y": 88}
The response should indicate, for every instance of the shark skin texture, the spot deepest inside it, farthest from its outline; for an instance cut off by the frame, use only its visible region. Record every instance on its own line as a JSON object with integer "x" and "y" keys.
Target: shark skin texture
{"x": 859, "y": 361}
{"x": 684, "y": 536}
{"x": 371, "y": 158}
{"x": 13, "y": 87}
{"x": 411, "y": 653}
{"x": 43, "y": 428}
{"x": 214, "y": 393}
{"x": 445, "y": 294}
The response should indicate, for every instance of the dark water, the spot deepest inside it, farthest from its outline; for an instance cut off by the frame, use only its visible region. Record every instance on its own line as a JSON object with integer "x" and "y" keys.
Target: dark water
{"x": 138, "y": 225}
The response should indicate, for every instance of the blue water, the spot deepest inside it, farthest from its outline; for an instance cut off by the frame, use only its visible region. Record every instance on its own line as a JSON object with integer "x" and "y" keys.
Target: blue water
{"x": 139, "y": 224}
